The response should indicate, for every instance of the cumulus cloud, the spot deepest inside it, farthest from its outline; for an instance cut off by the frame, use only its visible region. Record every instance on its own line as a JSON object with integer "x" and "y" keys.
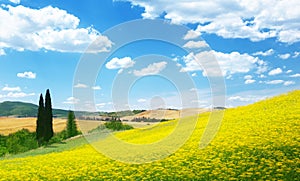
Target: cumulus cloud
{"x": 255, "y": 20}
{"x": 289, "y": 71}
{"x": 49, "y": 28}
{"x": 71, "y": 100}
{"x": 194, "y": 74}
{"x": 275, "y": 71}
{"x": 100, "y": 105}
{"x": 295, "y": 75}
{"x": 287, "y": 83}
{"x": 284, "y": 56}
{"x": 239, "y": 98}
{"x": 195, "y": 44}
{"x": 141, "y": 100}
{"x": 119, "y": 63}
{"x": 213, "y": 63}
{"x": 11, "y": 89}
{"x": 191, "y": 34}
{"x": 80, "y": 85}
{"x": 96, "y": 88}
{"x": 296, "y": 54}
{"x": 15, "y": 1}
{"x": 27, "y": 75}
{"x": 2, "y": 52}
{"x": 249, "y": 79}
{"x": 274, "y": 82}
{"x": 266, "y": 53}
{"x": 16, "y": 95}
{"x": 152, "y": 69}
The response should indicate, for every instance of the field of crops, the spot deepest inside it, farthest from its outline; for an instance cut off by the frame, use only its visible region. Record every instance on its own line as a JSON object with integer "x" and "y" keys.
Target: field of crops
{"x": 256, "y": 142}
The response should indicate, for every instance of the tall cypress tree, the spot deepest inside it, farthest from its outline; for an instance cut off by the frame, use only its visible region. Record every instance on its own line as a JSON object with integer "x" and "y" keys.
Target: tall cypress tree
{"x": 71, "y": 125}
{"x": 48, "y": 117}
{"x": 40, "y": 122}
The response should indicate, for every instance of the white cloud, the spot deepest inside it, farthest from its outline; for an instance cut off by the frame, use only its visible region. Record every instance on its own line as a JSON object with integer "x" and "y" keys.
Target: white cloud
{"x": 11, "y": 89}
{"x": 2, "y": 52}
{"x": 274, "y": 82}
{"x": 191, "y": 34}
{"x": 287, "y": 83}
{"x": 295, "y": 75}
{"x": 17, "y": 95}
{"x": 71, "y": 100}
{"x": 275, "y": 71}
{"x": 266, "y": 53}
{"x": 193, "y": 89}
{"x": 80, "y": 85}
{"x": 152, "y": 69}
{"x": 296, "y": 54}
{"x": 96, "y": 88}
{"x": 194, "y": 75}
{"x": 247, "y": 77}
{"x": 284, "y": 56}
{"x": 246, "y": 98}
{"x": 239, "y": 98}
{"x": 256, "y": 20}
{"x": 250, "y": 81}
{"x": 49, "y": 28}
{"x": 210, "y": 62}
{"x": 15, "y": 1}
{"x": 100, "y": 105}
{"x": 262, "y": 76}
{"x": 141, "y": 100}
{"x": 28, "y": 75}
{"x": 120, "y": 63}
{"x": 195, "y": 44}
{"x": 289, "y": 71}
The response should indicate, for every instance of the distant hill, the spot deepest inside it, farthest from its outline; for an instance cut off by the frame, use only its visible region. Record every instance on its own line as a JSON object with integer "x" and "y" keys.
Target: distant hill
{"x": 22, "y": 109}
{"x": 18, "y": 109}
{"x": 160, "y": 114}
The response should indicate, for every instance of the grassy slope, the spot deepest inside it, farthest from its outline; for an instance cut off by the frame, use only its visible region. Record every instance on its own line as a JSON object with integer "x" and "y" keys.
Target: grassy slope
{"x": 259, "y": 141}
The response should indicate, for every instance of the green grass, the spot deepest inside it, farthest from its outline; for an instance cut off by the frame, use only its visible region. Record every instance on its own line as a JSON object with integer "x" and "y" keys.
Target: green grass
{"x": 56, "y": 147}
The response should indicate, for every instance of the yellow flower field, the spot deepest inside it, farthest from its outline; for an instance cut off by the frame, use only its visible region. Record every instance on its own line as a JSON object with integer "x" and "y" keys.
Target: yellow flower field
{"x": 256, "y": 142}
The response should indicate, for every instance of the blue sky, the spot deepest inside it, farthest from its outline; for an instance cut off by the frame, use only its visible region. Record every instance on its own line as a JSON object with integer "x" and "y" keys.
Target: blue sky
{"x": 253, "y": 44}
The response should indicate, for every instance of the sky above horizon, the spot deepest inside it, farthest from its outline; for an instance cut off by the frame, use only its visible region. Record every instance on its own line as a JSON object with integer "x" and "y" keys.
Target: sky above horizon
{"x": 255, "y": 45}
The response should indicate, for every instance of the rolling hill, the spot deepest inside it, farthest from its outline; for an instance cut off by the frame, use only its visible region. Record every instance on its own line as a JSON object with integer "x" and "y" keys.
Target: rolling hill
{"x": 22, "y": 109}
{"x": 255, "y": 142}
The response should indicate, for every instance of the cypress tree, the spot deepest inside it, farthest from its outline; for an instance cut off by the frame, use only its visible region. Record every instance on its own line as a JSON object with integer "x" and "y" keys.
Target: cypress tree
{"x": 71, "y": 125}
{"x": 40, "y": 122}
{"x": 48, "y": 117}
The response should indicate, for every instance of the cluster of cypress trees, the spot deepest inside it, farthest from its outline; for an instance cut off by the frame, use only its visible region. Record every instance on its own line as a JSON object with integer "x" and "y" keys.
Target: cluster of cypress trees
{"x": 44, "y": 123}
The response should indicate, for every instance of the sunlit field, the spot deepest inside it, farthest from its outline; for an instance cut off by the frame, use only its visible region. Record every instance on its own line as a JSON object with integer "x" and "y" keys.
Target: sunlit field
{"x": 11, "y": 125}
{"x": 256, "y": 142}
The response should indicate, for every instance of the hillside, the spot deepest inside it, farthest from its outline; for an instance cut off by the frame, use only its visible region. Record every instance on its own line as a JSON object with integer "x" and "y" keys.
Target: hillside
{"x": 18, "y": 109}
{"x": 255, "y": 142}
{"x": 168, "y": 114}
{"x": 22, "y": 109}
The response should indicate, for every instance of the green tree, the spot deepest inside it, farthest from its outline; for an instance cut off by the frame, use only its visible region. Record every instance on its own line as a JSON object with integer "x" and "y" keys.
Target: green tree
{"x": 40, "y": 122}
{"x": 21, "y": 141}
{"x": 48, "y": 117}
{"x": 71, "y": 125}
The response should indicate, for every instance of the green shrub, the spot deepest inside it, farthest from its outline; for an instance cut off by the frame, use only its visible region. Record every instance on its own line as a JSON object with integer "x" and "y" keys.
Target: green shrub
{"x": 117, "y": 125}
{"x": 21, "y": 141}
{"x": 3, "y": 149}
